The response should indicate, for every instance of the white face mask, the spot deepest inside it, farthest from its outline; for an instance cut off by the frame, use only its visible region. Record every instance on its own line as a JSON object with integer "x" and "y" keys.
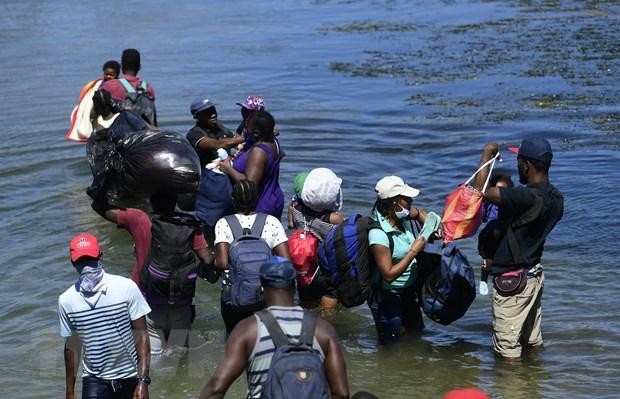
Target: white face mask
{"x": 403, "y": 213}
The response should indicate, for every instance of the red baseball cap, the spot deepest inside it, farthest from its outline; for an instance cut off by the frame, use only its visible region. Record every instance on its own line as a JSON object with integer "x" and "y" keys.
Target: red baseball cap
{"x": 84, "y": 245}
{"x": 467, "y": 393}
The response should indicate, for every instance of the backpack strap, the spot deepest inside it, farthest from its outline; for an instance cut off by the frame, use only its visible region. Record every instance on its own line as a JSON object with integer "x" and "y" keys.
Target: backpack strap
{"x": 259, "y": 224}
{"x": 128, "y": 87}
{"x": 306, "y": 336}
{"x": 308, "y": 324}
{"x": 275, "y": 331}
{"x": 235, "y": 226}
{"x": 143, "y": 86}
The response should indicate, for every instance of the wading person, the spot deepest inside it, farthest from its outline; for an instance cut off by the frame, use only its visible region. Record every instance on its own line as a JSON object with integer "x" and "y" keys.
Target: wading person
{"x": 102, "y": 317}
{"x": 251, "y": 347}
{"x": 532, "y": 211}
{"x": 393, "y": 300}
{"x": 166, "y": 269}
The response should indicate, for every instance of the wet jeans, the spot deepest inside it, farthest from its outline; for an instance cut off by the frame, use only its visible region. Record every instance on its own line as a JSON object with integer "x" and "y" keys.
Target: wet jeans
{"x": 96, "y": 388}
{"x": 393, "y": 309}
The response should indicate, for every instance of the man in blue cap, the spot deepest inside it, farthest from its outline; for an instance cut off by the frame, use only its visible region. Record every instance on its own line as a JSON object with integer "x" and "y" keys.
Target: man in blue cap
{"x": 209, "y": 134}
{"x": 529, "y": 213}
{"x": 250, "y": 344}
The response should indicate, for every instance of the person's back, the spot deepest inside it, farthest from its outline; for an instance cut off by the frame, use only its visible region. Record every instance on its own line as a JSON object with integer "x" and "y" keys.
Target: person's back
{"x": 250, "y": 346}
{"x": 131, "y": 91}
{"x": 289, "y": 319}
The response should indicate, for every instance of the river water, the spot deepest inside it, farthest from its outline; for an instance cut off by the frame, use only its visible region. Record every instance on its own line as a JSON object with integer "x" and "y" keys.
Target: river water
{"x": 367, "y": 88}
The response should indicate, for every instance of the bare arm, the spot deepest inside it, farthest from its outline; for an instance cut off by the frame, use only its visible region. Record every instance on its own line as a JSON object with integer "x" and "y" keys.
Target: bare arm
{"x": 143, "y": 349}
{"x": 488, "y": 152}
{"x": 383, "y": 259}
{"x": 282, "y": 250}
{"x": 221, "y": 255}
{"x": 239, "y": 345}
{"x": 209, "y": 143}
{"x": 257, "y": 162}
{"x": 204, "y": 255}
{"x": 72, "y": 353}
{"x": 335, "y": 366}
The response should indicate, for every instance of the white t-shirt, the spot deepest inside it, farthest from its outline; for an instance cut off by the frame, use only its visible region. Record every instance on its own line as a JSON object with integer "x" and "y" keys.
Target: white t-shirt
{"x": 273, "y": 232}
{"x": 108, "y": 345}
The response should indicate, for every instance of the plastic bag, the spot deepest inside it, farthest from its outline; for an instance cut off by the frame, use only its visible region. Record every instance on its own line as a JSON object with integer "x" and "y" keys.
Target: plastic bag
{"x": 463, "y": 208}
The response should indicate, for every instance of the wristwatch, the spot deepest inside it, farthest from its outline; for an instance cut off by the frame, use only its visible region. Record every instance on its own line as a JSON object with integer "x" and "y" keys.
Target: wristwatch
{"x": 145, "y": 379}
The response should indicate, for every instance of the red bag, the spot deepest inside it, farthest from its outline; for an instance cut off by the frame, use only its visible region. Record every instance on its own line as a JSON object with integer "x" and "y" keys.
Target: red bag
{"x": 303, "y": 247}
{"x": 463, "y": 208}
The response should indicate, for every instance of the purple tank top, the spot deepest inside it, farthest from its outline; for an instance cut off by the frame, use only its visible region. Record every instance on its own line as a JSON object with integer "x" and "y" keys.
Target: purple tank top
{"x": 270, "y": 195}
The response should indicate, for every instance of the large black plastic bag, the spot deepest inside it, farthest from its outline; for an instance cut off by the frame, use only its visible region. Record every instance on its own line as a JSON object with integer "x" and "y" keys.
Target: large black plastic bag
{"x": 156, "y": 161}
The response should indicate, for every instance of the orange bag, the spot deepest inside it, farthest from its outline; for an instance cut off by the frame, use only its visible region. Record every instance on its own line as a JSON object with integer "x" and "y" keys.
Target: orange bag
{"x": 463, "y": 208}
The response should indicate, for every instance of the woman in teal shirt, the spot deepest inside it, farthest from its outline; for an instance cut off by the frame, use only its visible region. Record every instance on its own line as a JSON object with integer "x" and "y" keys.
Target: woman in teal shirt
{"x": 393, "y": 301}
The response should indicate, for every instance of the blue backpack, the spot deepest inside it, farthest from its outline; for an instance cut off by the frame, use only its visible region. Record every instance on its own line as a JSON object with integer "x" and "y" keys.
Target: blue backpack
{"x": 345, "y": 259}
{"x": 296, "y": 369}
{"x": 214, "y": 197}
{"x": 447, "y": 282}
{"x": 248, "y": 252}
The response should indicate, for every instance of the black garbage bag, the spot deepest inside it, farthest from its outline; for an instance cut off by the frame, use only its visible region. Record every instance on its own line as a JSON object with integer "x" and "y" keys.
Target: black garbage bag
{"x": 102, "y": 147}
{"x": 143, "y": 163}
{"x": 156, "y": 161}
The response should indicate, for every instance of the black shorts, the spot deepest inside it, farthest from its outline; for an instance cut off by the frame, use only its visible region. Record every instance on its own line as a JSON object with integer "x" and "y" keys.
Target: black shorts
{"x": 318, "y": 288}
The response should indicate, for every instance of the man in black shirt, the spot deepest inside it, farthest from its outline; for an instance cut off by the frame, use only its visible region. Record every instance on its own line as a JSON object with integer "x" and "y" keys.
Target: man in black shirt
{"x": 209, "y": 134}
{"x": 529, "y": 213}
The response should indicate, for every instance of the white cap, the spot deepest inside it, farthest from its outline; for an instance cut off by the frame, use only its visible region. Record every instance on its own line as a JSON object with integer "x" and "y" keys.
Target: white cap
{"x": 321, "y": 191}
{"x": 392, "y": 186}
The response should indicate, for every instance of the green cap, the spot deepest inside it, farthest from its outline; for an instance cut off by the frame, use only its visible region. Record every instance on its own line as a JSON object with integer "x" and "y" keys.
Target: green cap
{"x": 300, "y": 179}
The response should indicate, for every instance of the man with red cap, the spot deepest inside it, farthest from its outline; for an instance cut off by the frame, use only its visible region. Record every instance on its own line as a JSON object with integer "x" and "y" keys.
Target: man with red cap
{"x": 102, "y": 317}
{"x": 530, "y": 213}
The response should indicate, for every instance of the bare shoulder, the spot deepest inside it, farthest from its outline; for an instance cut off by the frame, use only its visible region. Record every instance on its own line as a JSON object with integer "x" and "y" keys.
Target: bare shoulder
{"x": 325, "y": 333}
{"x": 244, "y": 333}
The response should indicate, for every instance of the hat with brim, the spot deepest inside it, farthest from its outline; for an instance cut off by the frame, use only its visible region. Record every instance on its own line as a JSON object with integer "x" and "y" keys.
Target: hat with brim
{"x": 253, "y": 103}
{"x": 392, "y": 186}
{"x": 82, "y": 245}
{"x": 200, "y": 104}
{"x": 277, "y": 272}
{"x": 535, "y": 148}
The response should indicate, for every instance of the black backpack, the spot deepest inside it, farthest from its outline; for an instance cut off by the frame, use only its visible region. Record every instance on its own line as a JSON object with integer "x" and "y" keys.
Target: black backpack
{"x": 139, "y": 102}
{"x": 446, "y": 282}
{"x": 170, "y": 269}
{"x": 346, "y": 261}
{"x": 296, "y": 368}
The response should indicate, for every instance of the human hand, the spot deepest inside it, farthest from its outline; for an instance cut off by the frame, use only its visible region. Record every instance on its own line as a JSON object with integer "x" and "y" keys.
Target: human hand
{"x": 490, "y": 149}
{"x": 225, "y": 165}
{"x": 141, "y": 391}
{"x": 418, "y": 245}
{"x": 70, "y": 395}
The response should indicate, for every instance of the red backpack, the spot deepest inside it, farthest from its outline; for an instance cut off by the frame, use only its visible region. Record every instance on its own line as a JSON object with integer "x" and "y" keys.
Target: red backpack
{"x": 303, "y": 247}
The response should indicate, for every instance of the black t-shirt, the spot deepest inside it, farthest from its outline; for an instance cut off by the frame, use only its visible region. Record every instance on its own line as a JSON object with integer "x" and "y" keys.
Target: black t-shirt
{"x": 196, "y": 134}
{"x": 531, "y": 236}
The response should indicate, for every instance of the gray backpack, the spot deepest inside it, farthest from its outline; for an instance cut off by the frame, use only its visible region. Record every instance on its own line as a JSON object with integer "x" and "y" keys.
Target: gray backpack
{"x": 296, "y": 369}
{"x": 139, "y": 102}
{"x": 248, "y": 252}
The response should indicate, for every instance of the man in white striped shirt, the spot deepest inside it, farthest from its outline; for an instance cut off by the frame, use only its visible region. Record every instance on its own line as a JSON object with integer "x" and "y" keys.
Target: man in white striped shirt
{"x": 104, "y": 315}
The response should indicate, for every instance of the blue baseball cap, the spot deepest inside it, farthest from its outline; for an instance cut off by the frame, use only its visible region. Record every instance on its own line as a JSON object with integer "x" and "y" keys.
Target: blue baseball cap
{"x": 277, "y": 272}
{"x": 535, "y": 148}
{"x": 200, "y": 104}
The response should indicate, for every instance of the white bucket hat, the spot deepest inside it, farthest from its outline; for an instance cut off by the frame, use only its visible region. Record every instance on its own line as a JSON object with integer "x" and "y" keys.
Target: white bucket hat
{"x": 391, "y": 186}
{"x": 321, "y": 191}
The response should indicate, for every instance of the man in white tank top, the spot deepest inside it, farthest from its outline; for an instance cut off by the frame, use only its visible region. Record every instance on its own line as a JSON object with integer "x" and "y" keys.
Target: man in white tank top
{"x": 246, "y": 348}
